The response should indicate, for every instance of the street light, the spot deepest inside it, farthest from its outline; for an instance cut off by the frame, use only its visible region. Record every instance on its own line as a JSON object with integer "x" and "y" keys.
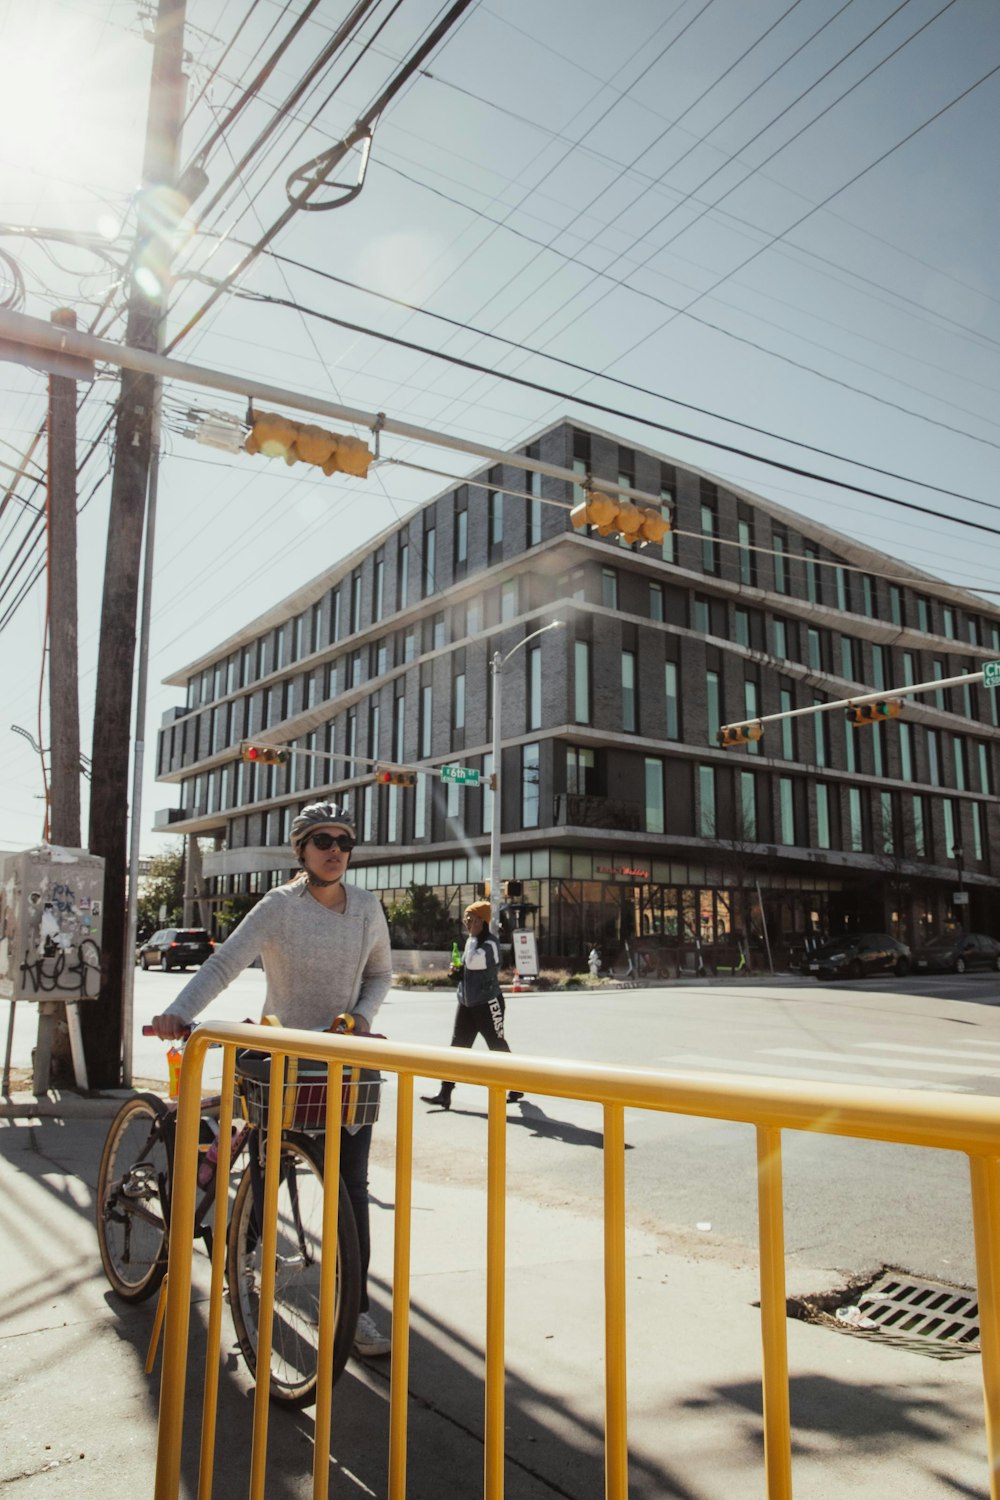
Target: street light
{"x": 497, "y": 665}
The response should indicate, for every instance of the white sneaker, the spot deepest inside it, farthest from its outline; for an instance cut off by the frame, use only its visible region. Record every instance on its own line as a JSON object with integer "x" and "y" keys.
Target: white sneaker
{"x": 369, "y": 1338}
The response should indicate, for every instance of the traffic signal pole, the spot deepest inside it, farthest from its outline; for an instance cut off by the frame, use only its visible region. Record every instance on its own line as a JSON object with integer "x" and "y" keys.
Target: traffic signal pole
{"x": 109, "y": 803}
{"x": 888, "y": 695}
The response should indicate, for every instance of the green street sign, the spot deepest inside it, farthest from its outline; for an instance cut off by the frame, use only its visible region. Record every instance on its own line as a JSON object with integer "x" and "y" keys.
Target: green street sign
{"x": 991, "y": 674}
{"x": 460, "y": 775}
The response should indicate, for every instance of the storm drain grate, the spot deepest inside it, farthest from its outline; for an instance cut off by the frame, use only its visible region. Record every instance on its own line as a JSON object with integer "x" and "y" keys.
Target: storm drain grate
{"x": 926, "y": 1317}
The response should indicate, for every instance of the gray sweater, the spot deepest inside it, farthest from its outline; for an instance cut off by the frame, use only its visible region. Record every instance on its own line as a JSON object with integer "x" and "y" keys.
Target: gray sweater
{"x": 318, "y": 963}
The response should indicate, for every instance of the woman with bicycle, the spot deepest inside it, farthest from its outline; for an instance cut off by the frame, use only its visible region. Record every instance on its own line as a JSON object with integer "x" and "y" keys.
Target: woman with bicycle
{"x": 324, "y": 945}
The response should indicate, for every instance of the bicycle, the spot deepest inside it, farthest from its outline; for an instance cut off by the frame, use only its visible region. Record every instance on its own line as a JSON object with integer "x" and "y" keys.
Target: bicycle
{"x": 133, "y": 1213}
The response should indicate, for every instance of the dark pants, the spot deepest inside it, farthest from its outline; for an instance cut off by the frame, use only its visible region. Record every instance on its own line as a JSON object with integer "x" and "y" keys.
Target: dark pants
{"x": 354, "y": 1170}
{"x": 478, "y": 1020}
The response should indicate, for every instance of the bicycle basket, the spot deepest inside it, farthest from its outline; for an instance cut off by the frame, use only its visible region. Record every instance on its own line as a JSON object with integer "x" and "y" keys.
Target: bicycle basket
{"x": 305, "y": 1092}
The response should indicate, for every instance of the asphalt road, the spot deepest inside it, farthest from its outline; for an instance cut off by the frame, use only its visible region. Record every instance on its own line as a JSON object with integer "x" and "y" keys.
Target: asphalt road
{"x": 851, "y": 1206}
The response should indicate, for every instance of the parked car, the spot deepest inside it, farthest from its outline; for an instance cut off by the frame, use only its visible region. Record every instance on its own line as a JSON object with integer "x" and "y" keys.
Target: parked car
{"x": 858, "y": 954}
{"x": 954, "y": 952}
{"x": 175, "y": 948}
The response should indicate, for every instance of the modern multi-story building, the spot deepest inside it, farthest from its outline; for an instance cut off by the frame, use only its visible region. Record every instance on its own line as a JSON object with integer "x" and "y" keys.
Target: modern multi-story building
{"x": 621, "y": 816}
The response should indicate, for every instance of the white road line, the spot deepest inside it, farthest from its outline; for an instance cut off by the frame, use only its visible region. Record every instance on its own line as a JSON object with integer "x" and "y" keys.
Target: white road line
{"x": 692, "y": 1060}
{"x": 939, "y": 1052}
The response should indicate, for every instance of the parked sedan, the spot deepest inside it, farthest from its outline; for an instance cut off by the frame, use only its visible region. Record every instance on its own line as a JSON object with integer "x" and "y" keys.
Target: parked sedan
{"x": 954, "y": 952}
{"x": 859, "y": 954}
{"x": 175, "y": 948}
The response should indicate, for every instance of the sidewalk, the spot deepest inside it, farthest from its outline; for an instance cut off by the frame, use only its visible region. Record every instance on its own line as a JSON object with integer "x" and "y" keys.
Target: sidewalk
{"x": 78, "y": 1415}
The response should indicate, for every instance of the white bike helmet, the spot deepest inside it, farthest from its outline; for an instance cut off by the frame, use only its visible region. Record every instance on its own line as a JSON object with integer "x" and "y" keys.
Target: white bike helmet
{"x": 320, "y": 815}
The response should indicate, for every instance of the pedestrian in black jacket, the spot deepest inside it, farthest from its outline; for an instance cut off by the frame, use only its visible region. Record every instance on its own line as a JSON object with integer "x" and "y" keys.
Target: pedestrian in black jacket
{"x": 480, "y": 1001}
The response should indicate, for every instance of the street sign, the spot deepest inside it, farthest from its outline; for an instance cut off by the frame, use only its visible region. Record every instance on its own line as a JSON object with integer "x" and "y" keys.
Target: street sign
{"x": 460, "y": 775}
{"x": 991, "y": 674}
{"x": 960, "y": 898}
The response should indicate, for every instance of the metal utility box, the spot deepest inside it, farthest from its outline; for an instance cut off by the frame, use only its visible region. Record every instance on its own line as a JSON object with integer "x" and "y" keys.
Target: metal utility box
{"x": 51, "y": 905}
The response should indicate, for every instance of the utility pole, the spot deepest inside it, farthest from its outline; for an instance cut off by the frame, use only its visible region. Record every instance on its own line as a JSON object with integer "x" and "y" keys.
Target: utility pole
{"x": 136, "y": 408}
{"x": 64, "y": 689}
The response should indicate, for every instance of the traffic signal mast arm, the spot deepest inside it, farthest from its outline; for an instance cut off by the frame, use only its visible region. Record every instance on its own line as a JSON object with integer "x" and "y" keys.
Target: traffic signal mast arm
{"x": 264, "y": 753}
{"x": 887, "y": 696}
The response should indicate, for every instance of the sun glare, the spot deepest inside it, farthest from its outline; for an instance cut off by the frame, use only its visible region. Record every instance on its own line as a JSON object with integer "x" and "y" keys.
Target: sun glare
{"x": 72, "y": 108}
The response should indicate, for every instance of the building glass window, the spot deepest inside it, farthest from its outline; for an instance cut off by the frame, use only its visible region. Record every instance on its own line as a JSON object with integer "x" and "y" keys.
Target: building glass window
{"x": 461, "y": 537}
{"x": 751, "y": 711}
{"x": 958, "y": 754}
{"x": 458, "y": 699}
{"x": 420, "y": 808}
{"x": 426, "y": 721}
{"x": 812, "y": 574}
{"x": 868, "y": 595}
{"x": 713, "y": 693}
{"x": 741, "y": 627}
{"x": 787, "y": 725}
{"x": 672, "y": 725}
{"x": 923, "y": 615}
{"x": 654, "y": 795}
{"x": 748, "y": 806}
{"x": 815, "y": 649}
{"x": 878, "y": 669}
{"x": 706, "y": 801}
{"x": 609, "y": 588}
{"x": 855, "y": 823}
{"x": 850, "y": 746}
{"x": 378, "y": 605}
{"x": 948, "y": 808}
{"x": 876, "y": 734}
{"x": 905, "y": 752}
{"x": 977, "y": 830}
{"x": 909, "y": 669}
{"x": 534, "y": 509}
{"x": 820, "y": 730}
{"x": 700, "y": 615}
{"x": 780, "y": 639}
{"x": 666, "y": 511}
{"x": 656, "y": 601}
{"x": 919, "y": 827}
{"x": 948, "y": 622}
{"x": 822, "y": 815}
{"x": 495, "y": 506}
{"x": 630, "y": 714}
{"x": 709, "y": 539}
{"x": 847, "y": 658}
{"x": 983, "y": 756}
{"x": 746, "y": 557}
{"x": 933, "y": 758}
{"x": 581, "y": 682}
{"x": 786, "y": 810}
{"x": 888, "y": 830}
{"x": 534, "y": 687}
{"x": 430, "y": 560}
{"x": 895, "y": 605}
{"x": 580, "y": 771}
{"x": 530, "y": 785}
{"x": 403, "y": 574}
{"x": 355, "y": 601}
{"x": 509, "y": 599}
{"x": 843, "y": 593}
{"x": 780, "y": 549}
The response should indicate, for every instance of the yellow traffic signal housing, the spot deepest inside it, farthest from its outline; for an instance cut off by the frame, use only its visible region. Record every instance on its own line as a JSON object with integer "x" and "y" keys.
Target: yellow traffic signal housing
{"x": 874, "y": 713}
{"x": 636, "y": 523}
{"x": 729, "y": 737}
{"x": 300, "y": 442}
{"x": 396, "y": 778}
{"x": 266, "y": 755}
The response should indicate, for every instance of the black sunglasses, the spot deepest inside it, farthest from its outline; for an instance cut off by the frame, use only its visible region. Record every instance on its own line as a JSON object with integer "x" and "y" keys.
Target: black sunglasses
{"x": 327, "y": 840}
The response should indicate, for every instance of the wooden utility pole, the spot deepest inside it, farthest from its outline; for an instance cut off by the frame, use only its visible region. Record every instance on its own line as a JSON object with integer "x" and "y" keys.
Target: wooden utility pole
{"x": 136, "y": 406}
{"x": 64, "y": 690}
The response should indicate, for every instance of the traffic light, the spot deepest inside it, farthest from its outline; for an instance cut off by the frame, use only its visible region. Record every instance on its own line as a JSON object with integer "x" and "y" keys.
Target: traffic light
{"x": 266, "y": 755}
{"x": 729, "y": 737}
{"x": 396, "y": 778}
{"x": 636, "y": 523}
{"x": 513, "y": 890}
{"x": 300, "y": 442}
{"x": 874, "y": 713}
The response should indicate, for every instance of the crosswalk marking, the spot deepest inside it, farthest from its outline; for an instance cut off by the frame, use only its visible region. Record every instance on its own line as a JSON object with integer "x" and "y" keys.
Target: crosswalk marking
{"x": 910, "y": 1047}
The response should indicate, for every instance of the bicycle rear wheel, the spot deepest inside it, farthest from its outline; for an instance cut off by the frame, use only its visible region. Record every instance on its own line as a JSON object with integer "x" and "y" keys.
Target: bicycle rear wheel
{"x": 133, "y": 1197}
{"x": 295, "y": 1330}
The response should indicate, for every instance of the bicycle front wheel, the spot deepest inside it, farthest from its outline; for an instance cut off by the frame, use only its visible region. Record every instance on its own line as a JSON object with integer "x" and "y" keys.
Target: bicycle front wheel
{"x": 295, "y": 1328}
{"x": 133, "y": 1197}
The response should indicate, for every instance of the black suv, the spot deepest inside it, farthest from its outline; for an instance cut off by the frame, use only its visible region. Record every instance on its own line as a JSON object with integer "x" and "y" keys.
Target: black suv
{"x": 176, "y": 947}
{"x": 854, "y": 956}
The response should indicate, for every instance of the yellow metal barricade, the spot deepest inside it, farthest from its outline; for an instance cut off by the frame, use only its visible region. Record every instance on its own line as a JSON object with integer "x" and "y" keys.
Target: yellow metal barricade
{"x": 901, "y": 1116}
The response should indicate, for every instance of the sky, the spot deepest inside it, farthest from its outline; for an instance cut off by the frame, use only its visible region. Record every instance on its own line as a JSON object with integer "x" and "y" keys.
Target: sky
{"x": 775, "y": 222}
